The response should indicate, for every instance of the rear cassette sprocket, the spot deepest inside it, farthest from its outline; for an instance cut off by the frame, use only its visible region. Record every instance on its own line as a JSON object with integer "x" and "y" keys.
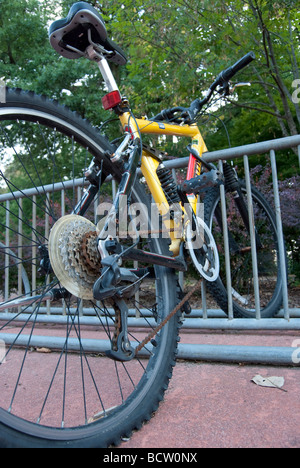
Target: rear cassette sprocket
{"x": 74, "y": 256}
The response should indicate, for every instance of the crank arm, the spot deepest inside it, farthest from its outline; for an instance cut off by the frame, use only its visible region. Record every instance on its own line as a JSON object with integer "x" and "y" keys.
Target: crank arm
{"x": 178, "y": 263}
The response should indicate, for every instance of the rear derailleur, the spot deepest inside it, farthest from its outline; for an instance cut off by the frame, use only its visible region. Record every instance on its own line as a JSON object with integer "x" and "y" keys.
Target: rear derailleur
{"x": 117, "y": 284}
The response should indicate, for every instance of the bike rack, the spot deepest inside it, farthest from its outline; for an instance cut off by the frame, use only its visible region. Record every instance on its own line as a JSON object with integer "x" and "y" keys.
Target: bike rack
{"x": 204, "y": 319}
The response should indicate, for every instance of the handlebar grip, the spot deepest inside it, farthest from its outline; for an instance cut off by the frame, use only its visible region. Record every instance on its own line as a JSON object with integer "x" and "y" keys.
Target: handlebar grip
{"x": 243, "y": 62}
{"x": 226, "y": 75}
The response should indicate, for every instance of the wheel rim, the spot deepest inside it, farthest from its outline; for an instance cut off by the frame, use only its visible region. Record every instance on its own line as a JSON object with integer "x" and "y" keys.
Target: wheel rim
{"x": 241, "y": 258}
{"x": 24, "y": 394}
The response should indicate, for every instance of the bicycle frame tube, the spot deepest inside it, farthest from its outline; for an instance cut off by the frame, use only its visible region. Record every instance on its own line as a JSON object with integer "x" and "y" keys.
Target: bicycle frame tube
{"x": 149, "y": 164}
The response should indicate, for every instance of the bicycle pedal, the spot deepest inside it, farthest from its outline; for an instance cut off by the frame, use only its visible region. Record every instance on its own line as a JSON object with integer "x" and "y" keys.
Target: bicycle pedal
{"x": 202, "y": 182}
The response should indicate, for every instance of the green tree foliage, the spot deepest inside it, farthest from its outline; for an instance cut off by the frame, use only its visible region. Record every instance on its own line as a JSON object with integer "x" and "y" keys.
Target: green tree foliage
{"x": 175, "y": 48}
{"x": 27, "y": 60}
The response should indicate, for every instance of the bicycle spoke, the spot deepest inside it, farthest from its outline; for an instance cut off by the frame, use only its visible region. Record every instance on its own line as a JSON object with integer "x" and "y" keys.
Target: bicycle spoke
{"x": 59, "y": 372}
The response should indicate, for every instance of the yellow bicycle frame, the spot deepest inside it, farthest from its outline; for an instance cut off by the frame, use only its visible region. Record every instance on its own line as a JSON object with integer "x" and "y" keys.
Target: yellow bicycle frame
{"x": 149, "y": 164}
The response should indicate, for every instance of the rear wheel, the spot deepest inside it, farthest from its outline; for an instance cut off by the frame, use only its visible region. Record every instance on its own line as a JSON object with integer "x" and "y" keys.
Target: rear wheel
{"x": 269, "y": 273}
{"x": 58, "y": 387}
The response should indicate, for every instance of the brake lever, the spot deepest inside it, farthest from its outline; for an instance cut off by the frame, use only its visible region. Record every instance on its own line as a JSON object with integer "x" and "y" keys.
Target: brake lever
{"x": 238, "y": 85}
{"x": 186, "y": 117}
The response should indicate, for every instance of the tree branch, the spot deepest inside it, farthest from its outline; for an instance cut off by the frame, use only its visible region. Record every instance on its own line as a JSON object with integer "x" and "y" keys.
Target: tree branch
{"x": 246, "y": 106}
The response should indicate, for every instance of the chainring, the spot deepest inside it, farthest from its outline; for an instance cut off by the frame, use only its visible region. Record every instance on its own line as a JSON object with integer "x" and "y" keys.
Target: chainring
{"x": 205, "y": 256}
{"x": 74, "y": 256}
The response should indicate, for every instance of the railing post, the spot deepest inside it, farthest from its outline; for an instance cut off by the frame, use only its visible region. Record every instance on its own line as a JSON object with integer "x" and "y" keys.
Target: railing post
{"x": 34, "y": 245}
{"x": 282, "y": 254}
{"x": 252, "y": 237}
{"x": 6, "y": 254}
{"x": 47, "y": 231}
{"x": 257, "y": 148}
{"x": 203, "y": 298}
{"x": 226, "y": 245}
{"x": 20, "y": 248}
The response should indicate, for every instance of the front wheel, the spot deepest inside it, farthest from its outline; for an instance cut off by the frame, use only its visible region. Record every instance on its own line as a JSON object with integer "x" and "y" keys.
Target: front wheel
{"x": 58, "y": 387}
{"x": 269, "y": 273}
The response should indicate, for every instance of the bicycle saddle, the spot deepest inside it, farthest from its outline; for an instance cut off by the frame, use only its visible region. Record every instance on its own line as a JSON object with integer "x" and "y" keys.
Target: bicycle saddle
{"x": 70, "y": 36}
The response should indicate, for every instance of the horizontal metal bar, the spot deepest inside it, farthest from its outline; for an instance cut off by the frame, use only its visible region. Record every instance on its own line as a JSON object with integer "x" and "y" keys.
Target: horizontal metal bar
{"x": 190, "y": 323}
{"x": 240, "y": 151}
{"x": 212, "y": 353}
{"x": 272, "y": 355}
{"x": 242, "y": 324}
{"x": 57, "y": 343}
{"x": 211, "y": 313}
{"x": 255, "y": 148}
{"x": 176, "y": 163}
{"x": 41, "y": 190}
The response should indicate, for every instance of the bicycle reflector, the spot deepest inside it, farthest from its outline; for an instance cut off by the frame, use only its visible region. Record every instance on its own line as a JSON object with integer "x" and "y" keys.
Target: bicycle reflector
{"x": 111, "y": 100}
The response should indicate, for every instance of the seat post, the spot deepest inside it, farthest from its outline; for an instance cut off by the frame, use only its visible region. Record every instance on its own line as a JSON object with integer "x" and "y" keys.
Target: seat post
{"x": 104, "y": 68}
{"x": 107, "y": 75}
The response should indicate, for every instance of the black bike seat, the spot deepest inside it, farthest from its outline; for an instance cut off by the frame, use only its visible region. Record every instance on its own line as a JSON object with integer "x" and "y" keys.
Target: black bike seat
{"x": 71, "y": 33}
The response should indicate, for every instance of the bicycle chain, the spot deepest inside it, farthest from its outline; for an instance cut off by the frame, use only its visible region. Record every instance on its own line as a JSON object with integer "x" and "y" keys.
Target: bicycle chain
{"x": 85, "y": 240}
{"x": 169, "y": 316}
{"x": 117, "y": 328}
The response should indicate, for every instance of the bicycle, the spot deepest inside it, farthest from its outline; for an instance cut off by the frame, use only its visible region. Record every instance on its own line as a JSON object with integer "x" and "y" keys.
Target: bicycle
{"x": 79, "y": 396}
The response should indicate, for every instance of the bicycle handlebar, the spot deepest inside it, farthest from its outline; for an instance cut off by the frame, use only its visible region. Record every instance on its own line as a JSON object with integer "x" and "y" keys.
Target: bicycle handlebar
{"x": 226, "y": 75}
{"x": 189, "y": 114}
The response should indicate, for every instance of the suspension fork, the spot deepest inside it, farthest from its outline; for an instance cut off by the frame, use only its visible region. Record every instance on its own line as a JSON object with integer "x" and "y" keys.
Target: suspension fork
{"x": 125, "y": 187}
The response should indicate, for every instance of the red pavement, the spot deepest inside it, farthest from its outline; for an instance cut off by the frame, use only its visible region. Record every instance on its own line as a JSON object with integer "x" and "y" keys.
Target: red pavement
{"x": 210, "y": 405}
{"x": 213, "y": 405}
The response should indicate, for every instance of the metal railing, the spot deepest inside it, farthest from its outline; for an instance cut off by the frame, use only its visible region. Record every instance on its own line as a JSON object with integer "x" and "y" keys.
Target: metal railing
{"x": 287, "y": 319}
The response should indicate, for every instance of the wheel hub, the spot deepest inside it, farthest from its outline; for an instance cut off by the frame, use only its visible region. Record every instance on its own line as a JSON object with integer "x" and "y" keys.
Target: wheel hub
{"x": 74, "y": 256}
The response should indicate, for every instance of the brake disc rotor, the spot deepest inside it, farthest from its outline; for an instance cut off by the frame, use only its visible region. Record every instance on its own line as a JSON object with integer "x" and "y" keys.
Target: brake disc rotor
{"x": 74, "y": 256}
